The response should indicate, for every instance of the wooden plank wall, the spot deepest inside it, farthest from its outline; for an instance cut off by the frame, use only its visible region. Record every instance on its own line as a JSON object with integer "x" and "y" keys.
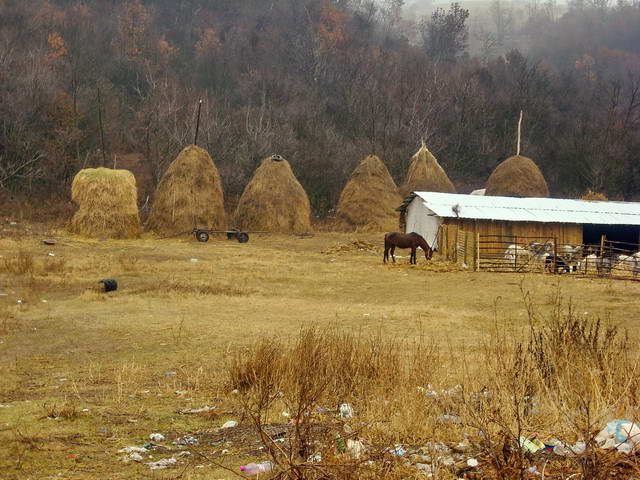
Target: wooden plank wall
{"x": 564, "y": 233}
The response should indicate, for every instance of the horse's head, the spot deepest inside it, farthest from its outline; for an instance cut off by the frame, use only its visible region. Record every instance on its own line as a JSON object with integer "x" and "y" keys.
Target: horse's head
{"x": 428, "y": 251}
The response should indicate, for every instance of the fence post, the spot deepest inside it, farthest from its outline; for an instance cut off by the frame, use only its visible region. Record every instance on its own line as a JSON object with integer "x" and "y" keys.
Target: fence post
{"x": 555, "y": 255}
{"x": 515, "y": 256}
{"x": 477, "y": 252}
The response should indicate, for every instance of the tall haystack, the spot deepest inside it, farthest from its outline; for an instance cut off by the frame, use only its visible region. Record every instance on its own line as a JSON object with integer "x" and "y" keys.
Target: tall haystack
{"x": 108, "y": 204}
{"x": 369, "y": 200}
{"x": 189, "y": 195}
{"x": 274, "y": 200}
{"x": 425, "y": 174}
{"x": 517, "y": 176}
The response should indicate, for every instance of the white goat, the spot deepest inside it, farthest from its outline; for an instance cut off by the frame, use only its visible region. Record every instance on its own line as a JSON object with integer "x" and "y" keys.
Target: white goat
{"x": 514, "y": 253}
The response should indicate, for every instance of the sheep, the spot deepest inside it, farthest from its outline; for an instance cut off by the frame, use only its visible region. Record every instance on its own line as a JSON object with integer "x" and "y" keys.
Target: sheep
{"x": 514, "y": 253}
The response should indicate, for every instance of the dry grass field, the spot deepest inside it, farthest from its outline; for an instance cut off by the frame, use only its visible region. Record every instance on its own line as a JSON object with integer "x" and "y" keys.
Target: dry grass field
{"x": 85, "y": 373}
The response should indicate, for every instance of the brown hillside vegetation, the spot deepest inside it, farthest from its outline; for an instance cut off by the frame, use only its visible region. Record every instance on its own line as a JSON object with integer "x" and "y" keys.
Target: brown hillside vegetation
{"x": 108, "y": 204}
{"x": 274, "y": 200}
{"x": 517, "y": 176}
{"x": 426, "y": 174}
{"x": 369, "y": 200}
{"x": 189, "y": 195}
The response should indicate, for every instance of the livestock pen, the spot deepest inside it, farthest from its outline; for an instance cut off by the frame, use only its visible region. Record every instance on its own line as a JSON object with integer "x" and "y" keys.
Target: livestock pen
{"x": 505, "y": 234}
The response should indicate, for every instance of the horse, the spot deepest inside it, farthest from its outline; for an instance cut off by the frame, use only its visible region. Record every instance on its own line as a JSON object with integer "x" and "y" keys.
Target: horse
{"x": 405, "y": 240}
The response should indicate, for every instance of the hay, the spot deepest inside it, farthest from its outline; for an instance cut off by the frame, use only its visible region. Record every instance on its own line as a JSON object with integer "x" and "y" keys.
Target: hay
{"x": 594, "y": 197}
{"x": 189, "y": 195}
{"x": 369, "y": 200}
{"x": 274, "y": 200}
{"x": 517, "y": 176}
{"x": 426, "y": 175}
{"x": 108, "y": 204}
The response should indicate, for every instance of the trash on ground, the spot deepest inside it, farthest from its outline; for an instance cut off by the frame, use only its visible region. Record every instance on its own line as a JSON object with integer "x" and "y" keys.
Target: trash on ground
{"x": 230, "y": 424}
{"x": 156, "y": 437}
{"x": 135, "y": 457}
{"x": 472, "y": 462}
{"x": 109, "y": 284}
{"x": 162, "y": 464}
{"x": 204, "y": 409}
{"x": 257, "y": 468}
{"x": 446, "y": 418}
{"x": 132, "y": 450}
{"x": 531, "y": 446}
{"x": 194, "y": 260}
{"x": 315, "y": 458}
{"x": 398, "y": 450}
{"x": 169, "y": 373}
{"x": 623, "y": 435}
{"x": 346, "y": 410}
{"x": 186, "y": 440}
{"x": 341, "y": 447}
{"x": 355, "y": 448}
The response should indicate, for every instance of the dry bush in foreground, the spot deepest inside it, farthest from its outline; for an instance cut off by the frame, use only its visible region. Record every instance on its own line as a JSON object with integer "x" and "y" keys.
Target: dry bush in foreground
{"x": 558, "y": 375}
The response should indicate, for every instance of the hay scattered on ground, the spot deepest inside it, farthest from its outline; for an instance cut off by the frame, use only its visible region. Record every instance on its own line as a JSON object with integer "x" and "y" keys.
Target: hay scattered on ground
{"x": 189, "y": 195}
{"x": 517, "y": 176}
{"x": 594, "y": 197}
{"x": 108, "y": 204}
{"x": 426, "y": 175}
{"x": 353, "y": 246}
{"x": 369, "y": 200}
{"x": 274, "y": 200}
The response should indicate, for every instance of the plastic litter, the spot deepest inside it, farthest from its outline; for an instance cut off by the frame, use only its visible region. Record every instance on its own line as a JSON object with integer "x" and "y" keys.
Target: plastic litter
{"x": 132, "y": 450}
{"x": 194, "y": 260}
{"x": 136, "y": 457}
{"x": 186, "y": 440}
{"x": 346, "y": 411}
{"x": 472, "y": 462}
{"x": 398, "y": 450}
{"x": 623, "y": 435}
{"x": 162, "y": 464}
{"x": 156, "y": 437}
{"x": 446, "y": 418}
{"x": 531, "y": 446}
{"x": 169, "y": 373}
{"x": 425, "y": 467}
{"x": 204, "y": 409}
{"x": 355, "y": 448}
{"x": 109, "y": 284}
{"x": 230, "y": 424}
{"x": 340, "y": 445}
{"x": 315, "y": 458}
{"x": 257, "y": 468}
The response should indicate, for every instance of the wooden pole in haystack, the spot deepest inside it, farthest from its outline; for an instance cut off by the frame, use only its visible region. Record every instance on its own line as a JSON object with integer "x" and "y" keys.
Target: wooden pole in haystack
{"x": 104, "y": 152}
{"x": 519, "y": 133}
{"x": 195, "y": 141}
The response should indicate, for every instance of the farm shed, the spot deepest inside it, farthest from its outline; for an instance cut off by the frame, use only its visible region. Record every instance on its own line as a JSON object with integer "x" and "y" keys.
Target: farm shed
{"x": 438, "y": 217}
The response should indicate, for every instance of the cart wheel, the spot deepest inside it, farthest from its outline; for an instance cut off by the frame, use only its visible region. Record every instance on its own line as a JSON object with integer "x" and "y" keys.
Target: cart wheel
{"x": 202, "y": 236}
{"x": 242, "y": 237}
{"x": 231, "y": 234}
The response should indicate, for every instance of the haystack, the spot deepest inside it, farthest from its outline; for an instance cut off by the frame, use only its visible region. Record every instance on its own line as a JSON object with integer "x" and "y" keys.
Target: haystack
{"x": 517, "y": 176}
{"x": 594, "y": 196}
{"x": 189, "y": 195}
{"x": 425, "y": 174}
{"x": 108, "y": 204}
{"x": 274, "y": 200}
{"x": 369, "y": 200}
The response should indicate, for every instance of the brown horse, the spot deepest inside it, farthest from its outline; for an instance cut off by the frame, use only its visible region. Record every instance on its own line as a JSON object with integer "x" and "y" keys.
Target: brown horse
{"x": 405, "y": 240}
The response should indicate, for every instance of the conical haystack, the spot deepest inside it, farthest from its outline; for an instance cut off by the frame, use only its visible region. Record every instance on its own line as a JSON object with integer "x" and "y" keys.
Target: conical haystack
{"x": 274, "y": 200}
{"x": 517, "y": 176}
{"x": 189, "y": 195}
{"x": 426, "y": 175}
{"x": 108, "y": 204}
{"x": 369, "y": 200}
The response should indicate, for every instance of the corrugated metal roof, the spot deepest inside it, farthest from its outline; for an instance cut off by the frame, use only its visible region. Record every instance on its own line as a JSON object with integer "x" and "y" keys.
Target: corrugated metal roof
{"x": 548, "y": 210}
